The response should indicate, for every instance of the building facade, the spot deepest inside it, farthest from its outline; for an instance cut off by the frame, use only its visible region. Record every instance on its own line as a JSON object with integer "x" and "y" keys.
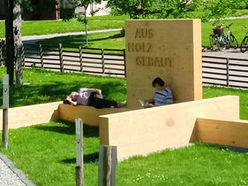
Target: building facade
{"x": 2, "y": 10}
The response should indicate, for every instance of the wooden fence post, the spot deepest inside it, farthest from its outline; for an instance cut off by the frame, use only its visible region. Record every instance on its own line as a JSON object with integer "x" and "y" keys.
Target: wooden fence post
{"x": 227, "y": 72}
{"x": 5, "y": 110}
{"x": 107, "y": 165}
{"x": 103, "y": 66}
{"x": 61, "y": 58}
{"x": 124, "y": 56}
{"x": 41, "y": 56}
{"x": 79, "y": 153}
{"x": 81, "y": 59}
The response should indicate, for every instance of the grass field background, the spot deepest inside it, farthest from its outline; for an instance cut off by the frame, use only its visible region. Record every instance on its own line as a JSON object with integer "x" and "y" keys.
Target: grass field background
{"x": 114, "y": 40}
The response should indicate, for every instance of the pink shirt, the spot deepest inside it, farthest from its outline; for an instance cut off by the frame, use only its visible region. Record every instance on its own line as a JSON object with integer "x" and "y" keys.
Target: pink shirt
{"x": 83, "y": 96}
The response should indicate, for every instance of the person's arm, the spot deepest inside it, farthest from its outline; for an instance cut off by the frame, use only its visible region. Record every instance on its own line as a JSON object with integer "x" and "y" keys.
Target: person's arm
{"x": 98, "y": 91}
{"x": 68, "y": 98}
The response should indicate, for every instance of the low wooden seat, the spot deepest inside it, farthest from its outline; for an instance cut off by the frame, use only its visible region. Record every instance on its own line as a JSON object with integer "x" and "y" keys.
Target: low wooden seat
{"x": 88, "y": 114}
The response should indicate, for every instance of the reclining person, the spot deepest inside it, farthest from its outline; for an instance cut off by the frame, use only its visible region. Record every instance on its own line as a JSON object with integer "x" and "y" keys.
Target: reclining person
{"x": 162, "y": 95}
{"x": 91, "y": 97}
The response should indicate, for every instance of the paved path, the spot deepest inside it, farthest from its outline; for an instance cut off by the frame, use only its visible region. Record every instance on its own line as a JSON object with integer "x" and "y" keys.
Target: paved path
{"x": 10, "y": 175}
{"x": 34, "y": 38}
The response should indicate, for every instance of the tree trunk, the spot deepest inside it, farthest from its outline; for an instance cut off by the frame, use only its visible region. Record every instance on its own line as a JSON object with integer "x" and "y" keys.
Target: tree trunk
{"x": 14, "y": 46}
{"x": 19, "y": 57}
{"x": 10, "y": 55}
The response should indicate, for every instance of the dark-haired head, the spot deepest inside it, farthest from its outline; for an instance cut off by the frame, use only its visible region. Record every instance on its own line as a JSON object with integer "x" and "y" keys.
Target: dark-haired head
{"x": 159, "y": 81}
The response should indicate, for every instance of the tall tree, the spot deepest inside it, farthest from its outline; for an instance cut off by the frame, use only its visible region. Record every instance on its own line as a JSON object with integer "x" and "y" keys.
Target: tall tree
{"x": 85, "y": 4}
{"x": 13, "y": 40}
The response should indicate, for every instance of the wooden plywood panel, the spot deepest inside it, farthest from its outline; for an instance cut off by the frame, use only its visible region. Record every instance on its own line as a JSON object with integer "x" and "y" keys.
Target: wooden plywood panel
{"x": 88, "y": 114}
{"x": 223, "y": 132}
{"x": 144, "y": 131}
{"x": 170, "y": 49}
{"x": 31, "y": 115}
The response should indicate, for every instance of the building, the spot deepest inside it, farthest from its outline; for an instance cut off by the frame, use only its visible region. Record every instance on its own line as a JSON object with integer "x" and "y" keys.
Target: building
{"x": 51, "y": 10}
{"x": 96, "y": 9}
{"x": 2, "y": 9}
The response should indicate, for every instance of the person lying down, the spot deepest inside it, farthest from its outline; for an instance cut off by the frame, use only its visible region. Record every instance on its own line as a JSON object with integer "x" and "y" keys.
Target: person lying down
{"x": 91, "y": 97}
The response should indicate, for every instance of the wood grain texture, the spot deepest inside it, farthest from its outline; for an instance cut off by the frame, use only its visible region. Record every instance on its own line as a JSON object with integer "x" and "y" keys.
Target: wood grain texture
{"x": 223, "y": 132}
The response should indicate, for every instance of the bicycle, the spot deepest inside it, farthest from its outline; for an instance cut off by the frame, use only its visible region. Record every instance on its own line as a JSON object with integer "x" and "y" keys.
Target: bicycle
{"x": 244, "y": 43}
{"x": 222, "y": 40}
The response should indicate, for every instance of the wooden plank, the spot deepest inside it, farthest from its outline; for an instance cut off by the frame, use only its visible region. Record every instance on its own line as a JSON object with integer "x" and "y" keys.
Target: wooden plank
{"x": 233, "y": 133}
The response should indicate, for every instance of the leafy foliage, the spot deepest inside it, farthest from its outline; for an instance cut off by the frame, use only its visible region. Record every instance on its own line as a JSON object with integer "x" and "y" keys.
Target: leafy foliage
{"x": 204, "y": 9}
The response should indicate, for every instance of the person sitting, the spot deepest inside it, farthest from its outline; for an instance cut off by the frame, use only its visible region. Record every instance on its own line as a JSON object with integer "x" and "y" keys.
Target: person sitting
{"x": 91, "y": 97}
{"x": 162, "y": 95}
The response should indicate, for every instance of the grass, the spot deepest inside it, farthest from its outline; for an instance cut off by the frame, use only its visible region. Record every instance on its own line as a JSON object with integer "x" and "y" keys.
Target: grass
{"x": 47, "y": 86}
{"x": 59, "y": 26}
{"x": 46, "y": 152}
{"x": 114, "y": 40}
{"x": 111, "y": 40}
{"x": 209, "y": 92}
{"x": 237, "y": 29}
{"x": 110, "y": 21}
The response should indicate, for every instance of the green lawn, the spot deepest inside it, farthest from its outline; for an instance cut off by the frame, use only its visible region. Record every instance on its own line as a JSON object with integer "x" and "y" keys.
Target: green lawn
{"x": 104, "y": 22}
{"x": 47, "y": 86}
{"x": 237, "y": 29}
{"x": 54, "y": 26}
{"x": 46, "y": 152}
{"x": 113, "y": 40}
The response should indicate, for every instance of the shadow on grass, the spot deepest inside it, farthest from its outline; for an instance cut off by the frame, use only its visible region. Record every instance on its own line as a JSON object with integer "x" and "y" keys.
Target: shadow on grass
{"x": 87, "y": 159}
{"x": 225, "y": 147}
{"x": 74, "y": 41}
{"x": 67, "y": 127}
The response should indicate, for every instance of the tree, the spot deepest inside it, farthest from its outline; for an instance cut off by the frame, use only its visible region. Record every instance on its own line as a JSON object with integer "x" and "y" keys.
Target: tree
{"x": 13, "y": 40}
{"x": 148, "y": 8}
{"x": 85, "y": 4}
{"x": 204, "y": 9}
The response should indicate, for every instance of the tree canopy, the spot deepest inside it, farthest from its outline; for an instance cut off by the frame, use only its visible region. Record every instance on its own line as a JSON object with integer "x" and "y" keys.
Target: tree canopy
{"x": 204, "y": 9}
